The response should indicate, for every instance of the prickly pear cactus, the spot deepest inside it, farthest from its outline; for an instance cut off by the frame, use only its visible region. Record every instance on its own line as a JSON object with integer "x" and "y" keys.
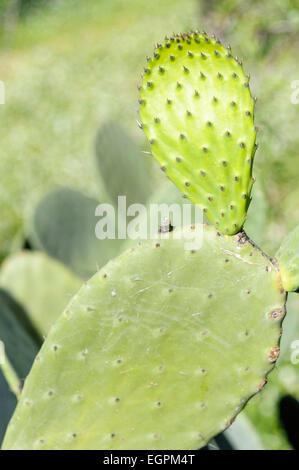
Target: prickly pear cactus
{"x": 197, "y": 111}
{"x": 159, "y": 350}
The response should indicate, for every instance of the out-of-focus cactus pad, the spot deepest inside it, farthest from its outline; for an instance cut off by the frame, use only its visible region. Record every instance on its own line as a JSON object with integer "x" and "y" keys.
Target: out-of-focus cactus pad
{"x": 21, "y": 340}
{"x": 64, "y": 226}
{"x": 21, "y": 345}
{"x": 288, "y": 260}
{"x": 196, "y": 109}
{"x": 123, "y": 168}
{"x": 41, "y": 284}
{"x": 159, "y": 350}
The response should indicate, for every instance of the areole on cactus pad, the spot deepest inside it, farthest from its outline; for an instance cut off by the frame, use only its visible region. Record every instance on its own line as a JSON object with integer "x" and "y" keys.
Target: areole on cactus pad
{"x": 159, "y": 350}
{"x": 197, "y": 112}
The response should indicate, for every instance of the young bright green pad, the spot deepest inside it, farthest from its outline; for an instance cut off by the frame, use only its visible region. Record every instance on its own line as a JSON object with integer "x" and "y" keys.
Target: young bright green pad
{"x": 197, "y": 112}
{"x": 288, "y": 260}
{"x": 41, "y": 284}
{"x": 159, "y": 350}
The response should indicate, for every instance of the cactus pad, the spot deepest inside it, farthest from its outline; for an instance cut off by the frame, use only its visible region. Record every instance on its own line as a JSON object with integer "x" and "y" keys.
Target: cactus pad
{"x": 123, "y": 168}
{"x": 197, "y": 112}
{"x": 288, "y": 260}
{"x": 21, "y": 344}
{"x": 42, "y": 285}
{"x": 8, "y": 403}
{"x": 159, "y": 350}
{"x": 64, "y": 227}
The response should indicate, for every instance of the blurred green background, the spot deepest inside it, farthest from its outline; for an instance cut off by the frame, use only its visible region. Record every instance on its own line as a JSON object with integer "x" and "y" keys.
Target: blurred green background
{"x": 71, "y": 67}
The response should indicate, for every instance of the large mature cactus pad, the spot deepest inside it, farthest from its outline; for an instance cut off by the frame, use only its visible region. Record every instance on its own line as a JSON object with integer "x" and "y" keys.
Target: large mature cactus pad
{"x": 197, "y": 112}
{"x": 288, "y": 259}
{"x": 159, "y": 350}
